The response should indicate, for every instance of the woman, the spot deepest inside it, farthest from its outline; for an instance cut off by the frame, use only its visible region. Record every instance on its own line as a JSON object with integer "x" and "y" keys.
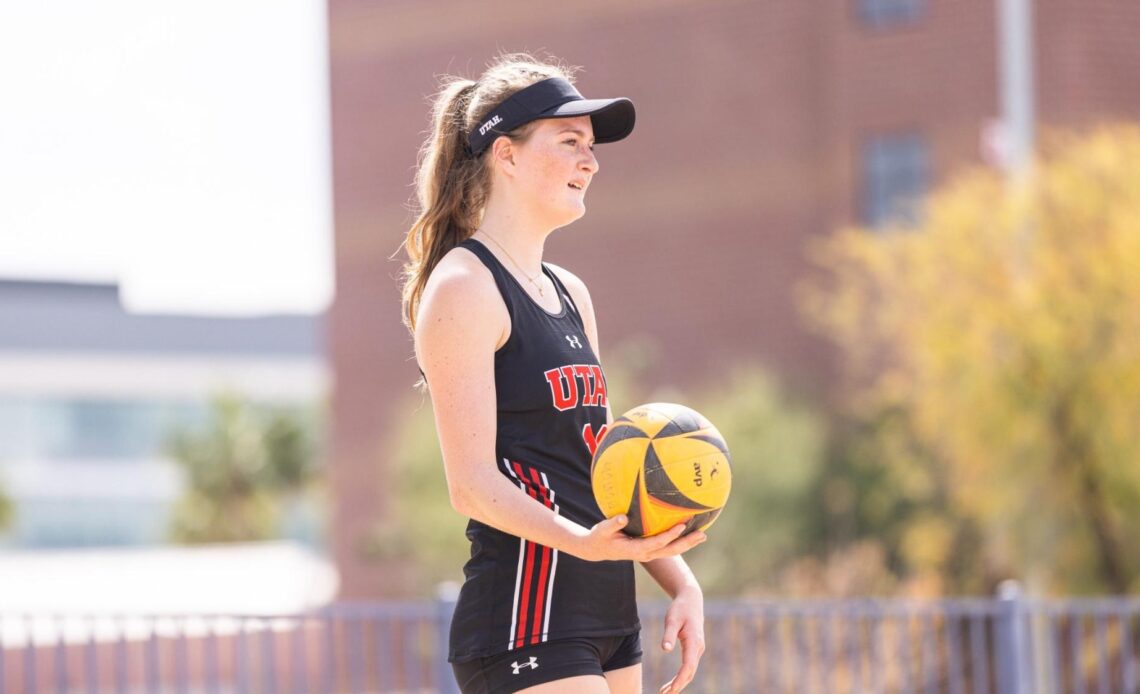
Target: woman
{"x": 508, "y": 347}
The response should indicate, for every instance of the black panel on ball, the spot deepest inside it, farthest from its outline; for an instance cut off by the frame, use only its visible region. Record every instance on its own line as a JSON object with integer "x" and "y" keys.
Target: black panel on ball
{"x": 699, "y": 520}
{"x": 683, "y": 423}
{"x": 714, "y": 440}
{"x": 619, "y": 430}
{"x": 635, "y": 526}
{"x": 659, "y": 486}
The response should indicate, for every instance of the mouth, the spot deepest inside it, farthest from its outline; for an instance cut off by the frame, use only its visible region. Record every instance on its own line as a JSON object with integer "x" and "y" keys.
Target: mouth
{"x": 576, "y": 185}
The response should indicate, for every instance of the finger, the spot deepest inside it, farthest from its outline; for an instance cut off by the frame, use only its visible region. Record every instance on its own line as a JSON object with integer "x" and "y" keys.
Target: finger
{"x": 667, "y": 688}
{"x": 683, "y": 677}
{"x": 666, "y": 538}
{"x": 654, "y": 546}
{"x": 679, "y": 681}
{"x": 616, "y": 523}
{"x": 679, "y": 545}
{"x": 669, "y": 638}
{"x": 691, "y": 650}
{"x": 692, "y": 540}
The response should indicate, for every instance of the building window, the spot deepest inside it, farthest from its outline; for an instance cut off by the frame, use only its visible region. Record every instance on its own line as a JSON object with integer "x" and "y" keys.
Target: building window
{"x": 883, "y": 13}
{"x": 896, "y": 176}
{"x": 92, "y": 429}
{"x": 85, "y": 522}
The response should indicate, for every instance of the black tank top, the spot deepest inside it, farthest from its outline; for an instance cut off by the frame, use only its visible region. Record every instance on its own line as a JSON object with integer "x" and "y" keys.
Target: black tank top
{"x": 551, "y": 395}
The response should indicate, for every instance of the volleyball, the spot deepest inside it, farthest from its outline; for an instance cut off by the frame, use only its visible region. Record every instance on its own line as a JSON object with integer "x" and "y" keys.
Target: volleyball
{"x": 661, "y": 464}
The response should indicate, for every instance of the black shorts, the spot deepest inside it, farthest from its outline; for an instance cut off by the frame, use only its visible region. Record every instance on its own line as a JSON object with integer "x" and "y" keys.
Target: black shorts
{"x": 546, "y": 662}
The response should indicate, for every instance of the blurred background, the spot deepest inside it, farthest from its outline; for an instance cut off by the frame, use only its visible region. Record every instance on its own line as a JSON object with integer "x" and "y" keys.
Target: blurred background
{"x": 887, "y": 246}
{"x": 900, "y": 419}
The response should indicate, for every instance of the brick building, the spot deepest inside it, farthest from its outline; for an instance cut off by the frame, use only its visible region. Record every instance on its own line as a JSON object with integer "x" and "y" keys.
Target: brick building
{"x": 760, "y": 125}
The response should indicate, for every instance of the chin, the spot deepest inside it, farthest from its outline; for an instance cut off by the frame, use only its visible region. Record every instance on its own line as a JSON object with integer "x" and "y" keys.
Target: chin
{"x": 577, "y": 212}
{"x": 569, "y": 217}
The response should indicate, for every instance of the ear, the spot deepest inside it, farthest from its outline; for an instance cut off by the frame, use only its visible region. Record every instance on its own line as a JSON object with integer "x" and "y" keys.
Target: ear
{"x": 503, "y": 154}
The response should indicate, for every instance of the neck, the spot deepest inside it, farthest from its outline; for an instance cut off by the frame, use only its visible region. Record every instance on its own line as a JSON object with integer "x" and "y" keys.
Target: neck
{"x": 521, "y": 237}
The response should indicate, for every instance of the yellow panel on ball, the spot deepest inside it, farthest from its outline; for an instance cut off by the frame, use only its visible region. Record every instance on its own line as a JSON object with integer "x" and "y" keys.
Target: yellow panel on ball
{"x": 657, "y": 516}
{"x": 615, "y": 474}
{"x": 692, "y": 469}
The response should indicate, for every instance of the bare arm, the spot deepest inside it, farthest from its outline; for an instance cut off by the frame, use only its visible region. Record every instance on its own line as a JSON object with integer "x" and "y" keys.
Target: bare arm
{"x": 685, "y": 618}
{"x": 462, "y": 321}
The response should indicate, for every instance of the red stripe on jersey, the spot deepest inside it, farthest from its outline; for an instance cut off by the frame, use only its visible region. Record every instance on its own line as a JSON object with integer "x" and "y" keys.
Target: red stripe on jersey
{"x": 536, "y": 630}
{"x": 526, "y": 482}
{"x": 528, "y": 573}
{"x": 544, "y": 571}
{"x": 538, "y": 491}
{"x": 520, "y": 635}
{"x": 543, "y": 492}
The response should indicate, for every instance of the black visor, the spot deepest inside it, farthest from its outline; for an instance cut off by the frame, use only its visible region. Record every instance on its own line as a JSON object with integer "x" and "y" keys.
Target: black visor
{"x": 612, "y": 119}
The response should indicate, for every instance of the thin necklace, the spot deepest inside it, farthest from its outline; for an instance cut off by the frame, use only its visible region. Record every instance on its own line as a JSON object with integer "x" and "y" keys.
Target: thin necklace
{"x": 513, "y": 262}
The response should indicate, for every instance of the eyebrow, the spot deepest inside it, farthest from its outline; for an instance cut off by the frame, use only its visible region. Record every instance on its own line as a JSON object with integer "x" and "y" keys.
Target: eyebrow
{"x": 576, "y": 131}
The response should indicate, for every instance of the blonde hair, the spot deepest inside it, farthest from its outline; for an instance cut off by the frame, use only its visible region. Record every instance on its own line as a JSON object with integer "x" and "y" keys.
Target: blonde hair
{"x": 452, "y": 187}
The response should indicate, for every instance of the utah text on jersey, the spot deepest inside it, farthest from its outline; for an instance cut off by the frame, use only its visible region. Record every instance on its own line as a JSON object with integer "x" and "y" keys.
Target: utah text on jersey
{"x": 564, "y": 386}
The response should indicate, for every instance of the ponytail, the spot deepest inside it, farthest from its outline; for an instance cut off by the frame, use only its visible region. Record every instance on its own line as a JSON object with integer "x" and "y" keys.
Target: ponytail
{"x": 452, "y": 186}
{"x": 448, "y": 188}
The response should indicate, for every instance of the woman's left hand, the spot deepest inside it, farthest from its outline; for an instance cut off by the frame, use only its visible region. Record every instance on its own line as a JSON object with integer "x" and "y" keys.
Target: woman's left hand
{"x": 685, "y": 620}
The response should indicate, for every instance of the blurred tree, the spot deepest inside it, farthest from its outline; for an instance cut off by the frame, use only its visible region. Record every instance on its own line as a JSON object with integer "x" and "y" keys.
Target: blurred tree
{"x": 887, "y": 503}
{"x": 422, "y": 534}
{"x": 7, "y": 511}
{"x": 774, "y": 514}
{"x": 999, "y": 344}
{"x": 241, "y": 470}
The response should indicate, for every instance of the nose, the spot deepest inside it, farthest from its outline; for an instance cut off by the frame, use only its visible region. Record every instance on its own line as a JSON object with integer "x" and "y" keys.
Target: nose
{"x": 589, "y": 162}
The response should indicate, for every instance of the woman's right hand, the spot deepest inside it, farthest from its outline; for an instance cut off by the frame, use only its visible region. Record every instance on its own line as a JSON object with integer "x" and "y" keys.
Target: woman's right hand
{"x": 606, "y": 541}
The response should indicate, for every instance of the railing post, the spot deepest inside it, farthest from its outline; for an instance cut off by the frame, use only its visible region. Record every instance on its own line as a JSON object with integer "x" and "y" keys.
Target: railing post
{"x": 446, "y": 596}
{"x": 1012, "y": 641}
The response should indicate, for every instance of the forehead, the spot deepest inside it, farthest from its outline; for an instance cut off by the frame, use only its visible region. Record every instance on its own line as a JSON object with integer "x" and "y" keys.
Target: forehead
{"x": 582, "y": 124}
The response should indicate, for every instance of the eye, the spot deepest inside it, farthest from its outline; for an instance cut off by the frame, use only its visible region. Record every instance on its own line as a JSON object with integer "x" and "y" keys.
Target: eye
{"x": 574, "y": 141}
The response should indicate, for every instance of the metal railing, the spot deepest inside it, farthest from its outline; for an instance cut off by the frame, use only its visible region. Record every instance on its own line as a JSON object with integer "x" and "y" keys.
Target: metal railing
{"x": 1006, "y": 645}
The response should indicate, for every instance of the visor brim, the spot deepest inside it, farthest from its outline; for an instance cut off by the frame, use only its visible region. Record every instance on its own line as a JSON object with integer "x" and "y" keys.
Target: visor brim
{"x": 612, "y": 119}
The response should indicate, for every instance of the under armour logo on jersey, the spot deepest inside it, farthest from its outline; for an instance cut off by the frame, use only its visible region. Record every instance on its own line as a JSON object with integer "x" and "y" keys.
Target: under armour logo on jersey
{"x": 574, "y": 342}
{"x": 532, "y": 664}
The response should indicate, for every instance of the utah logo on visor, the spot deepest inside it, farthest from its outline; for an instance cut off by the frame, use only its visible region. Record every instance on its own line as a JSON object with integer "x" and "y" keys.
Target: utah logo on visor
{"x": 489, "y": 124}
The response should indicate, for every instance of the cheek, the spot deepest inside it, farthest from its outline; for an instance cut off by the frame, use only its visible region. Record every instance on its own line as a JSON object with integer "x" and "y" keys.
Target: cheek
{"x": 551, "y": 169}
{"x": 549, "y": 172}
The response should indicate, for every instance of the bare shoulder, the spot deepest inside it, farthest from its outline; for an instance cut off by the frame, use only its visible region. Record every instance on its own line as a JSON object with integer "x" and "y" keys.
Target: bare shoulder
{"x": 459, "y": 278}
{"x": 461, "y": 300}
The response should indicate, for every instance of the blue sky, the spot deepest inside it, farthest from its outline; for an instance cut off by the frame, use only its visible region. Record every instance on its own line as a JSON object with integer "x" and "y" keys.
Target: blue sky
{"x": 179, "y": 148}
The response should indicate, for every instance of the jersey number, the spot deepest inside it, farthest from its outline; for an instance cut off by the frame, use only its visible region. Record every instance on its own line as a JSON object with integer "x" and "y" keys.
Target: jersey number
{"x": 591, "y": 438}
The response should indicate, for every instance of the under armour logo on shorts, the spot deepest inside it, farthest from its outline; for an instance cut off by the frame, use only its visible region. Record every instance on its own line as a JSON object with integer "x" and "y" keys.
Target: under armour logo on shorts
{"x": 532, "y": 664}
